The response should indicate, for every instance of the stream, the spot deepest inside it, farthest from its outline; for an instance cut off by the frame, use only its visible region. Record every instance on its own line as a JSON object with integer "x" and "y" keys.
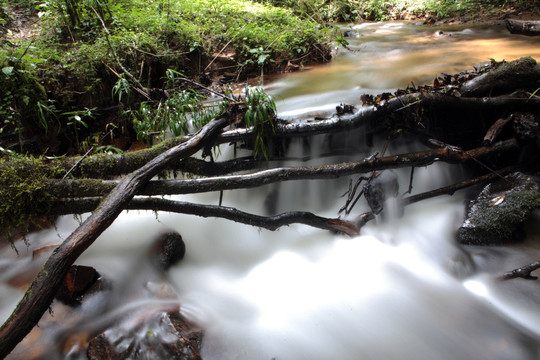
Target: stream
{"x": 402, "y": 289}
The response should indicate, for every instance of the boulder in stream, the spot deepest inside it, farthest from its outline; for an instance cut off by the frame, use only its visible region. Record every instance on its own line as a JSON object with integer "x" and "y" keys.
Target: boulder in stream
{"x": 497, "y": 215}
{"x": 167, "y": 249}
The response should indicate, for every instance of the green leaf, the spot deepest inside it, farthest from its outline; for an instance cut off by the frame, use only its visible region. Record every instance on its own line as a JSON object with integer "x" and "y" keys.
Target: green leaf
{"x": 8, "y": 70}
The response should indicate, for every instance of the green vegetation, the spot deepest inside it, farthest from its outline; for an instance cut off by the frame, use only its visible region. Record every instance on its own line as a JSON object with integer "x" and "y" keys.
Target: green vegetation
{"x": 92, "y": 57}
{"x": 353, "y": 10}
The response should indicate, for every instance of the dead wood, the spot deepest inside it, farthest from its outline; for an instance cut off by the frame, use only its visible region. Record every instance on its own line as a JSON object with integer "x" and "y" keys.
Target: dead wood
{"x": 523, "y": 27}
{"x": 414, "y": 112}
{"x": 91, "y": 188}
{"x": 523, "y": 272}
{"x": 523, "y": 74}
{"x": 46, "y": 284}
{"x": 495, "y": 129}
{"x": 266, "y": 222}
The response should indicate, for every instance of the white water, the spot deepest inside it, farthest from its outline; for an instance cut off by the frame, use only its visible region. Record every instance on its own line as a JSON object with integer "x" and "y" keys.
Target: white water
{"x": 401, "y": 290}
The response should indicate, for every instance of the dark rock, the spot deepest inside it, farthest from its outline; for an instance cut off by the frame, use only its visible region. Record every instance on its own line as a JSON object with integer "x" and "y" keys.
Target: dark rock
{"x": 525, "y": 126}
{"x": 380, "y": 188}
{"x": 77, "y": 283}
{"x": 497, "y": 215}
{"x": 167, "y": 250}
{"x": 156, "y": 335}
{"x": 350, "y": 33}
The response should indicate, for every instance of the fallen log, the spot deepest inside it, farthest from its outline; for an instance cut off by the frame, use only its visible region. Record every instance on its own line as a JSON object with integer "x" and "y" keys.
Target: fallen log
{"x": 92, "y": 187}
{"x": 523, "y": 74}
{"x": 473, "y": 114}
{"x": 41, "y": 292}
{"x": 523, "y": 27}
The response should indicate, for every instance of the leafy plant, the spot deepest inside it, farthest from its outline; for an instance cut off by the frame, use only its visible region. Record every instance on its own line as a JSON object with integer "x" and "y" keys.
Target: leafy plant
{"x": 260, "y": 114}
{"x": 182, "y": 111}
{"x": 121, "y": 87}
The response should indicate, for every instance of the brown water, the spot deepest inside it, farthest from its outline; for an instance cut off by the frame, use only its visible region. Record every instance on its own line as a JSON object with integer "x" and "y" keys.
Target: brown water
{"x": 387, "y": 56}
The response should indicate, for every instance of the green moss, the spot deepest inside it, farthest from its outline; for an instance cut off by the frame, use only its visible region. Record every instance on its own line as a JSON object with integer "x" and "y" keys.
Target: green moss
{"x": 23, "y": 193}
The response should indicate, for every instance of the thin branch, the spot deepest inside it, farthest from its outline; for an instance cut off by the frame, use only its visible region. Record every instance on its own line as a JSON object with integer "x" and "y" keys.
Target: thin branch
{"x": 267, "y": 222}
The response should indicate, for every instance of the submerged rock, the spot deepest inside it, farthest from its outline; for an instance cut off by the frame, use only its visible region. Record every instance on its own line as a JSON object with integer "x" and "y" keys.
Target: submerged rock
{"x": 381, "y": 187}
{"x": 157, "y": 335}
{"x": 497, "y": 215}
{"x": 167, "y": 249}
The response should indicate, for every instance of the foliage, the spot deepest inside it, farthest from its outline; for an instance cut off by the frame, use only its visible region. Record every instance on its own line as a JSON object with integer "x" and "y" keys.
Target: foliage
{"x": 177, "y": 115}
{"x": 93, "y": 48}
{"x": 261, "y": 115}
{"x": 21, "y": 93}
{"x": 353, "y": 10}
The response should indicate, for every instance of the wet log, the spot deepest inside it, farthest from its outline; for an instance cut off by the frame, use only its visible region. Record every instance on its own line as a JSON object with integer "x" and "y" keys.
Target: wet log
{"x": 91, "y": 188}
{"x": 523, "y": 27}
{"x": 523, "y": 74}
{"x": 271, "y": 223}
{"x": 523, "y": 272}
{"x": 444, "y": 115}
{"x": 41, "y": 293}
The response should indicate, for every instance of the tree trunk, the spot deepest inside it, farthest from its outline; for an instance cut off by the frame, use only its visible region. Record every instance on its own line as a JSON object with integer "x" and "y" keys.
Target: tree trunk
{"x": 523, "y": 27}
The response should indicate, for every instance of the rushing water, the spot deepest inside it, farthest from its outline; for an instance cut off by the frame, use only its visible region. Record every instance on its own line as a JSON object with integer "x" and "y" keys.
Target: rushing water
{"x": 403, "y": 289}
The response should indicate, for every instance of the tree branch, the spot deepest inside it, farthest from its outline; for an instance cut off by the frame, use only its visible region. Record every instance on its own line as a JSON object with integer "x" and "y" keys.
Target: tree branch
{"x": 267, "y": 222}
{"x": 90, "y": 188}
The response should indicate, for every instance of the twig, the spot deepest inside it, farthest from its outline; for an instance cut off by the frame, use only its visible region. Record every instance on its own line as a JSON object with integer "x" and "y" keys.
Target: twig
{"x": 133, "y": 78}
{"x": 267, "y": 222}
{"x": 522, "y": 272}
{"x": 78, "y": 162}
{"x": 207, "y": 89}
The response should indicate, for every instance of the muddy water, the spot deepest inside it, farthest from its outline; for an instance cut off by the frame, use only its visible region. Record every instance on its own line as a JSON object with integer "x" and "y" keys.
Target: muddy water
{"x": 402, "y": 289}
{"x": 386, "y": 56}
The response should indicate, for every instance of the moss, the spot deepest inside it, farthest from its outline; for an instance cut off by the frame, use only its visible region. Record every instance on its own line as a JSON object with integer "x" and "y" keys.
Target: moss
{"x": 23, "y": 193}
{"x": 491, "y": 223}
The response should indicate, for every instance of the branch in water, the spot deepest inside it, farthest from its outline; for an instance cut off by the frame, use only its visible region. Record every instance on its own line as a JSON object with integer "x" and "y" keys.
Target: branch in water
{"x": 522, "y": 272}
{"x": 267, "y": 222}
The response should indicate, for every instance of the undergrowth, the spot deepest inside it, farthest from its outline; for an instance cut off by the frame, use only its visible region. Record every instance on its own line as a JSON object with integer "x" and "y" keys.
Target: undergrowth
{"x": 354, "y": 10}
{"x": 85, "y": 48}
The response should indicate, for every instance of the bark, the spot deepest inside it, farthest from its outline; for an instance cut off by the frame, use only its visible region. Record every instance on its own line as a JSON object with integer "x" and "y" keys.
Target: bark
{"x": 523, "y": 27}
{"x": 266, "y": 222}
{"x": 523, "y": 272}
{"x": 90, "y": 188}
{"x": 523, "y": 74}
{"x": 44, "y": 287}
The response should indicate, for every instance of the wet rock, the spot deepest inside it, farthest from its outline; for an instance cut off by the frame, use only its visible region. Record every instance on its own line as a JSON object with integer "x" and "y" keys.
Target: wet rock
{"x": 79, "y": 280}
{"x": 497, "y": 215}
{"x": 167, "y": 250}
{"x": 157, "y": 335}
{"x": 380, "y": 188}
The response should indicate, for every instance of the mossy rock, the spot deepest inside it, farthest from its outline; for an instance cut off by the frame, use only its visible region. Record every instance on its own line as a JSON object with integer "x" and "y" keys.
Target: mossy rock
{"x": 497, "y": 215}
{"x": 23, "y": 192}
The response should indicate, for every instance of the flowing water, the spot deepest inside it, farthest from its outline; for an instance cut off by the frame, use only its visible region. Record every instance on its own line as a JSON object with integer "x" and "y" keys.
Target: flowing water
{"x": 402, "y": 289}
